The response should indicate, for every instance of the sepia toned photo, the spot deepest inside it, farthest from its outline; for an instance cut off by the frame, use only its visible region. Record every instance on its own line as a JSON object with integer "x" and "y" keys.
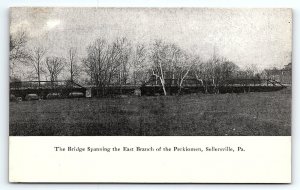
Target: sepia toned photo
{"x": 150, "y": 72}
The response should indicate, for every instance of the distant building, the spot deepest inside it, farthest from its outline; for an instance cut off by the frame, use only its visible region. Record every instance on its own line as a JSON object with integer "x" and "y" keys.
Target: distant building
{"x": 283, "y": 76}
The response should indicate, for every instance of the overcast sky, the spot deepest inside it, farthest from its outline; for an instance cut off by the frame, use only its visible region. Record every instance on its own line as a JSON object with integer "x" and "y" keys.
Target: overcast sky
{"x": 245, "y": 36}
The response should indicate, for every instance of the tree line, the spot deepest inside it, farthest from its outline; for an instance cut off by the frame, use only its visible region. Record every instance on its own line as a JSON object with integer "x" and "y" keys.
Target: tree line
{"x": 122, "y": 62}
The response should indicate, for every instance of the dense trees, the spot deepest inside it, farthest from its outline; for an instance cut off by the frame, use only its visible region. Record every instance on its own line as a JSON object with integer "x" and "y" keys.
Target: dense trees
{"x": 120, "y": 62}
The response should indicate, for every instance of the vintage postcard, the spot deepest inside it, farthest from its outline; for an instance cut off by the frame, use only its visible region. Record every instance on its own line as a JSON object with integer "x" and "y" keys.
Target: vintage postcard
{"x": 150, "y": 95}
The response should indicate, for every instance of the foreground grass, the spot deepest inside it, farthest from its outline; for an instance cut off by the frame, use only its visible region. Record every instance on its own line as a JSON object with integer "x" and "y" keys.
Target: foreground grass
{"x": 263, "y": 113}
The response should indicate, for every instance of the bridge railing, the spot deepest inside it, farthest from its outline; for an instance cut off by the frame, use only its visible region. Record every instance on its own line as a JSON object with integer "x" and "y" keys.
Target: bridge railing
{"x": 43, "y": 84}
{"x": 217, "y": 82}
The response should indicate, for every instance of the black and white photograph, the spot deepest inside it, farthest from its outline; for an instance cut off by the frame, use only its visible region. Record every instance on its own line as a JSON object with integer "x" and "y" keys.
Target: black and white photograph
{"x": 141, "y": 94}
{"x": 150, "y": 71}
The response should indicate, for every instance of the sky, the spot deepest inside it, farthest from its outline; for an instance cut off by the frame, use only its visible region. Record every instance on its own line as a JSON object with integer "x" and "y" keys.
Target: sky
{"x": 261, "y": 37}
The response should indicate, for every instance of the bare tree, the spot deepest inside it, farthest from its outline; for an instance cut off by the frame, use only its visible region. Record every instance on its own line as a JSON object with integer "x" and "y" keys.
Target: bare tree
{"x": 73, "y": 67}
{"x": 184, "y": 66}
{"x": 214, "y": 72}
{"x": 200, "y": 71}
{"x": 18, "y": 50}
{"x": 102, "y": 63}
{"x": 140, "y": 70}
{"x": 37, "y": 62}
{"x": 165, "y": 60}
{"x": 228, "y": 69}
{"x": 121, "y": 50}
{"x": 54, "y": 66}
{"x": 95, "y": 62}
{"x": 250, "y": 71}
{"x": 158, "y": 58}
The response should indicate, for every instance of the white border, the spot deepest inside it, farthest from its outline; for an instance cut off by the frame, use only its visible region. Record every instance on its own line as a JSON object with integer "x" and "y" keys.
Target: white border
{"x": 245, "y": 159}
{"x": 4, "y": 4}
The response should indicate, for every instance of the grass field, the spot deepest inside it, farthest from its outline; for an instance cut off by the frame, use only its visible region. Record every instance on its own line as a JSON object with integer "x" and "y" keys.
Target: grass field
{"x": 261, "y": 113}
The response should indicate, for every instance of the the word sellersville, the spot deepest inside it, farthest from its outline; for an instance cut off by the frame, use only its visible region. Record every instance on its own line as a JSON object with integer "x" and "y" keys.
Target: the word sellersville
{"x": 147, "y": 149}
